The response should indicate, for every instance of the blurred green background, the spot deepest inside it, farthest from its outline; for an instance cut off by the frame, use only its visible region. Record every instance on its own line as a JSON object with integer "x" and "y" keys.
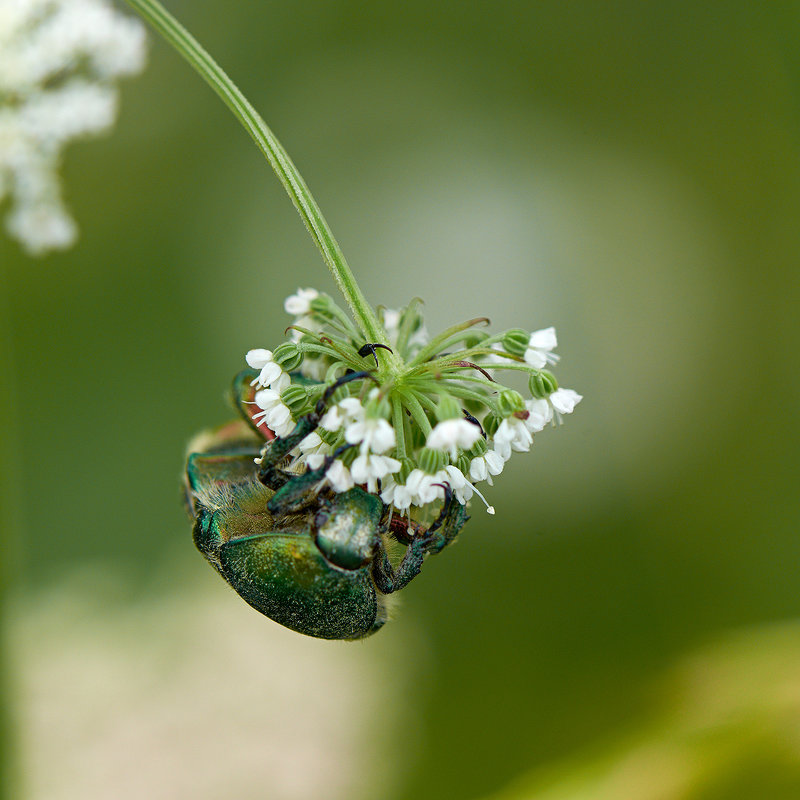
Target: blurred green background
{"x": 628, "y": 172}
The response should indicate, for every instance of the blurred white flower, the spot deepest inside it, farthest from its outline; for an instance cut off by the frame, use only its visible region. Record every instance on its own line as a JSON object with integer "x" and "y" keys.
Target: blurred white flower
{"x": 59, "y": 60}
{"x": 299, "y": 304}
{"x": 337, "y": 475}
{"x": 120, "y": 699}
{"x": 540, "y": 412}
{"x": 424, "y": 487}
{"x": 450, "y": 434}
{"x": 565, "y": 400}
{"x": 344, "y": 412}
{"x": 396, "y": 494}
{"x": 369, "y": 468}
{"x": 540, "y": 346}
{"x": 512, "y": 434}
{"x": 373, "y": 434}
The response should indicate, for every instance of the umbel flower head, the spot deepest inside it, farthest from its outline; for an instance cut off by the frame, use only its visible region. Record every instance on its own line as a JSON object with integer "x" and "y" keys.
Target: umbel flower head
{"x": 430, "y": 413}
{"x": 59, "y": 60}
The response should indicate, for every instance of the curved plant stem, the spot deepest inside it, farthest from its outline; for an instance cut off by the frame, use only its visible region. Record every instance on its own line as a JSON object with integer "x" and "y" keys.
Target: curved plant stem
{"x": 215, "y": 76}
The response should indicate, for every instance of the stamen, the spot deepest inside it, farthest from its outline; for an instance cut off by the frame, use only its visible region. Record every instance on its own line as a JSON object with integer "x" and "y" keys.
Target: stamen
{"x": 489, "y": 509}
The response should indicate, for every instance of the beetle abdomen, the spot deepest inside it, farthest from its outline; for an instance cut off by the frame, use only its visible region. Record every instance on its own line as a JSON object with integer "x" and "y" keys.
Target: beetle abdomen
{"x": 282, "y": 574}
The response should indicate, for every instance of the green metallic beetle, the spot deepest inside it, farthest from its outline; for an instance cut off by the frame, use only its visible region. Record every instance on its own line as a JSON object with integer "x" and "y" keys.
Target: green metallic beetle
{"x": 308, "y": 558}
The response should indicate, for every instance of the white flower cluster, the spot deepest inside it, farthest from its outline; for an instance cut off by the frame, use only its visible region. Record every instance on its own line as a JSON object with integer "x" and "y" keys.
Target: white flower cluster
{"x": 58, "y": 63}
{"x": 272, "y": 380}
{"x": 373, "y": 436}
{"x": 440, "y": 445}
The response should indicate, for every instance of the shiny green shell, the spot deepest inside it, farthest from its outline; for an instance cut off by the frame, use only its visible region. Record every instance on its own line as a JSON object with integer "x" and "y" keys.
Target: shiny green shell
{"x": 310, "y": 571}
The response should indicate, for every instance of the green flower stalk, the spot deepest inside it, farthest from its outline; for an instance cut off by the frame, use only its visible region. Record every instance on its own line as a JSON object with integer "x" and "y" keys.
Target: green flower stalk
{"x": 426, "y": 414}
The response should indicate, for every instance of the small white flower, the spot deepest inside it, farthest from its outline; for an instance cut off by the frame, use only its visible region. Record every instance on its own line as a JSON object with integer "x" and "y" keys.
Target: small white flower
{"x": 426, "y": 488}
{"x": 482, "y": 468}
{"x": 391, "y": 323}
{"x": 343, "y": 413}
{"x": 315, "y": 461}
{"x": 396, "y": 494}
{"x": 271, "y": 373}
{"x": 314, "y": 368}
{"x": 512, "y": 434}
{"x": 565, "y": 400}
{"x": 279, "y": 419}
{"x": 339, "y": 477}
{"x": 266, "y": 400}
{"x": 337, "y": 474}
{"x": 274, "y": 413}
{"x": 540, "y": 412}
{"x": 370, "y": 468}
{"x": 450, "y": 434}
{"x": 299, "y": 305}
{"x": 373, "y": 434}
{"x": 540, "y": 346}
{"x": 462, "y": 488}
{"x": 311, "y": 444}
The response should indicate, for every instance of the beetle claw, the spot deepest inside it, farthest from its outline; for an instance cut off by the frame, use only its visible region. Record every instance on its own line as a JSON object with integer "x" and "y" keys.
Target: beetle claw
{"x": 369, "y": 347}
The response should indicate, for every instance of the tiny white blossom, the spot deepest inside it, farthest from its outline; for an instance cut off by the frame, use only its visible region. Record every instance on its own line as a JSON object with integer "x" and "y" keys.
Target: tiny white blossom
{"x": 266, "y": 400}
{"x": 312, "y": 444}
{"x": 396, "y": 494}
{"x": 314, "y": 368}
{"x": 279, "y": 419}
{"x": 391, "y": 323}
{"x": 339, "y": 477}
{"x": 482, "y": 468}
{"x": 450, "y": 434}
{"x": 299, "y": 305}
{"x": 512, "y": 434}
{"x": 426, "y": 488}
{"x": 540, "y": 412}
{"x": 540, "y": 346}
{"x": 59, "y": 60}
{"x": 315, "y": 460}
{"x": 461, "y": 487}
{"x": 344, "y": 412}
{"x": 370, "y": 468}
{"x": 272, "y": 374}
{"x": 337, "y": 474}
{"x": 373, "y": 434}
{"x": 565, "y": 400}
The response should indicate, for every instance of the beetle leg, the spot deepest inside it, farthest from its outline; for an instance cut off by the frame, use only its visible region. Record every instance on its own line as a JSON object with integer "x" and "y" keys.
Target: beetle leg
{"x": 295, "y": 491}
{"x": 275, "y": 453}
{"x": 269, "y": 472}
{"x": 445, "y": 528}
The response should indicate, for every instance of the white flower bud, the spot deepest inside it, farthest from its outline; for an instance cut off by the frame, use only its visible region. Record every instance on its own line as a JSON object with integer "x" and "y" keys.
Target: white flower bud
{"x": 300, "y": 304}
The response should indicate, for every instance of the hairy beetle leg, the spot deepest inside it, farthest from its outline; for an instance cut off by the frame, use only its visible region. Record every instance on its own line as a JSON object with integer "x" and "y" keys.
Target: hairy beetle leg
{"x": 297, "y": 491}
{"x": 269, "y": 472}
